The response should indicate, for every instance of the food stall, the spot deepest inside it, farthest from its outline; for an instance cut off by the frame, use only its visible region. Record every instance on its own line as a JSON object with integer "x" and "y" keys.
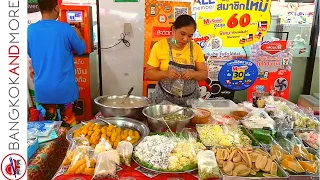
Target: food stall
{"x": 209, "y": 139}
{"x": 133, "y": 138}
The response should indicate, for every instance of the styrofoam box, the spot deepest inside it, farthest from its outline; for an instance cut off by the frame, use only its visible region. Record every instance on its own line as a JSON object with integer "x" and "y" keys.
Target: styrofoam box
{"x": 222, "y": 106}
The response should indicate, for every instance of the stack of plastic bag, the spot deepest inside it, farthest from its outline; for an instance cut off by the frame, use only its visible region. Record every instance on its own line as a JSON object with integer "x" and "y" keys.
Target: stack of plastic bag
{"x": 125, "y": 150}
{"x": 106, "y": 159}
{"x": 207, "y": 165}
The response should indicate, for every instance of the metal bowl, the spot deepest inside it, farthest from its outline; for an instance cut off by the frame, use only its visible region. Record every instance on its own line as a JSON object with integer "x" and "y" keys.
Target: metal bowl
{"x": 134, "y": 112}
{"x": 158, "y": 125}
{"x": 122, "y": 122}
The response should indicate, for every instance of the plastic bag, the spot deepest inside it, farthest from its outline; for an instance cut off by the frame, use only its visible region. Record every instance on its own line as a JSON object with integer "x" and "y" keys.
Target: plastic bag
{"x": 207, "y": 165}
{"x": 301, "y": 153}
{"x": 177, "y": 87}
{"x": 223, "y": 135}
{"x": 106, "y": 164}
{"x": 258, "y": 119}
{"x": 286, "y": 160}
{"x": 125, "y": 150}
{"x": 310, "y": 138}
{"x": 77, "y": 142}
{"x": 82, "y": 161}
{"x": 103, "y": 145}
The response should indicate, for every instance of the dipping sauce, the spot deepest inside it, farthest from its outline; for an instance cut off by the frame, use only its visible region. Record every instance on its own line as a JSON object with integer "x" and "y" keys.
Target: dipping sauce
{"x": 129, "y": 103}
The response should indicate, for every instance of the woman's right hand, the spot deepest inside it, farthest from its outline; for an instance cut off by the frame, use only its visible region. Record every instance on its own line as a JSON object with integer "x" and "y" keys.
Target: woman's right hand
{"x": 173, "y": 74}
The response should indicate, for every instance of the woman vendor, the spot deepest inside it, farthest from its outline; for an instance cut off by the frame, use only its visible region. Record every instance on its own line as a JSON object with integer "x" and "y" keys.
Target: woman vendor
{"x": 177, "y": 63}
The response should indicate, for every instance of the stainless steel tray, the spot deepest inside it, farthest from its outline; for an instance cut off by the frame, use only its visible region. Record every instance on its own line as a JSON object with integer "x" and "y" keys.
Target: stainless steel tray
{"x": 285, "y": 175}
{"x": 244, "y": 130}
{"x": 116, "y": 121}
{"x": 167, "y": 172}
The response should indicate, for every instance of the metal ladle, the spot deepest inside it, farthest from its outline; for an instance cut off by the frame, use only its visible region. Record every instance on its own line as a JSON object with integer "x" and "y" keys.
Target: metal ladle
{"x": 170, "y": 114}
{"x": 129, "y": 93}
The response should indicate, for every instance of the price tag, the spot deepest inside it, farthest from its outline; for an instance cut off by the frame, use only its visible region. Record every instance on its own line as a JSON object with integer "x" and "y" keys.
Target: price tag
{"x": 238, "y": 74}
{"x": 236, "y": 22}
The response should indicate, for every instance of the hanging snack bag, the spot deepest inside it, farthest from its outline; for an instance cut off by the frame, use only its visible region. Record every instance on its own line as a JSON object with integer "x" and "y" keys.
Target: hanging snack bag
{"x": 177, "y": 87}
{"x": 125, "y": 149}
{"x": 79, "y": 141}
{"x": 82, "y": 161}
{"x": 106, "y": 166}
{"x": 207, "y": 165}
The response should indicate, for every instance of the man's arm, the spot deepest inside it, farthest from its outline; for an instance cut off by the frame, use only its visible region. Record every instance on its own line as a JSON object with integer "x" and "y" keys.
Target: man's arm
{"x": 76, "y": 40}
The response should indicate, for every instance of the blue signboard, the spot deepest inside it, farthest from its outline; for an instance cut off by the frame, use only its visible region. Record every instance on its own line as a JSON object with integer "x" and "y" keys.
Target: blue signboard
{"x": 238, "y": 74}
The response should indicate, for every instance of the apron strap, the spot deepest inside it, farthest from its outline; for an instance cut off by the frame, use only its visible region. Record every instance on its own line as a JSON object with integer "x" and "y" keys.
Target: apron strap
{"x": 191, "y": 54}
{"x": 170, "y": 50}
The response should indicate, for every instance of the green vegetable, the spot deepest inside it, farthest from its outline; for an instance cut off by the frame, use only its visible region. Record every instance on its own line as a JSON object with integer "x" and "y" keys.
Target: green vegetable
{"x": 175, "y": 117}
{"x": 263, "y": 136}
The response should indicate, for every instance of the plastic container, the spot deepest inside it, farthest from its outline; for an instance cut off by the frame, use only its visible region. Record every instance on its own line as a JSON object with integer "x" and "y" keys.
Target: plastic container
{"x": 220, "y": 106}
{"x": 33, "y": 148}
{"x": 201, "y": 119}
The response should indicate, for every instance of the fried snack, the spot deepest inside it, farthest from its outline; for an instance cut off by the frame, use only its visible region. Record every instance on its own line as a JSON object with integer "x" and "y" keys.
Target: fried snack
{"x": 244, "y": 162}
{"x": 94, "y": 132}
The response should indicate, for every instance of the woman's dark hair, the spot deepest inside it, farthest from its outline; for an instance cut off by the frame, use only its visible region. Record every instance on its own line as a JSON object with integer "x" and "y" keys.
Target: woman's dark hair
{"x": 183, "y": 21}
{"x": 47, "y": 5}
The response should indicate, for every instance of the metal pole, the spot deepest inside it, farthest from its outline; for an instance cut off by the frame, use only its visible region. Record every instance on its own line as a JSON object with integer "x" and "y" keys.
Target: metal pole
{"x": 99, "y": 45}
{"x": 313, "y": 49}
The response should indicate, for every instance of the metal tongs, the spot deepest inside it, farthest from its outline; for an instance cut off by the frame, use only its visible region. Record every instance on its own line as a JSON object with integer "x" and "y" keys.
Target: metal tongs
{"x": 129, "y": 93}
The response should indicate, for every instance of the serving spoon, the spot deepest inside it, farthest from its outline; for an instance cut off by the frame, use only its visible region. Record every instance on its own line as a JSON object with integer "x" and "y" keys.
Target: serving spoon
{"x": 129, "y": 93}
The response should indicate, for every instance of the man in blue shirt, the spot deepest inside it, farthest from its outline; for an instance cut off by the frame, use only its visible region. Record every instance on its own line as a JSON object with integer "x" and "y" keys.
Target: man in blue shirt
{"x": 50, "y": 46}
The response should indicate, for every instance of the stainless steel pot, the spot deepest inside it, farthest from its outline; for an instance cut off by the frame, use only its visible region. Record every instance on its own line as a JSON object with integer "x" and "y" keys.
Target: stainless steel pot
{"x": 158, "y": 125}
{"x": 134, "y": 112}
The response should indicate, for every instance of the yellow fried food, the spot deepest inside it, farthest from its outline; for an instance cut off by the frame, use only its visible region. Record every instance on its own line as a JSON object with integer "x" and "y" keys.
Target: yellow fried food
{"x": 130, "y": 133}
{"x": 90, "y": 133}
{"x": 88, "y": 171}
{"x": 109, "y": 133}
{"x": 110, "y": 128}
{"x": 104, "y": 136}
{"x": 118, "y": 130}
{"x": 136, "y": 134}
{"x": 113, "y": 136}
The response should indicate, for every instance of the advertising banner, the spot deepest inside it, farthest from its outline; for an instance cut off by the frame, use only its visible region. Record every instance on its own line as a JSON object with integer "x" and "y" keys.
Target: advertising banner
{"x": 216, "y": 55}
{"x": 159, "y": 16}
{"x": 235, "y": 23}
{"x": 274, "y": 60}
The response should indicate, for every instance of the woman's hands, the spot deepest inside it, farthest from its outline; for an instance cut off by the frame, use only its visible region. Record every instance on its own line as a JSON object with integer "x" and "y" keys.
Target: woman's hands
{"x": 185, "y": 75}
{"x": 173, "y": 74}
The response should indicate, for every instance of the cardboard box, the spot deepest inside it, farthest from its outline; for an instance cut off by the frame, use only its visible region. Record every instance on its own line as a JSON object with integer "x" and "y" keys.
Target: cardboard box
{"x": 308, "y": 101}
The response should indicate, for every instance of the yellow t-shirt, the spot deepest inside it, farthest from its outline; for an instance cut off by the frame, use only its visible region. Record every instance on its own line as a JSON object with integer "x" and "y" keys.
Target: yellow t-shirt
{"x": 159, "y": 56}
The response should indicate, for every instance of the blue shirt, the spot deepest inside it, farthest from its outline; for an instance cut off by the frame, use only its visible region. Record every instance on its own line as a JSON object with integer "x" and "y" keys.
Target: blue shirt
{"x": 50, "y": 47}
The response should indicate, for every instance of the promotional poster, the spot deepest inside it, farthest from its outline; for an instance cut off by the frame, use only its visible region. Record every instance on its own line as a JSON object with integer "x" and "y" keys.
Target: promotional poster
{"x": 274, "y": 60}
{"x": 235, "y": 23}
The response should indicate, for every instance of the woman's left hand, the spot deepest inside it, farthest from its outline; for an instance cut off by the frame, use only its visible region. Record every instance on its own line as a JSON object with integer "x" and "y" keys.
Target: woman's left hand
{"x": 187, "y": 74}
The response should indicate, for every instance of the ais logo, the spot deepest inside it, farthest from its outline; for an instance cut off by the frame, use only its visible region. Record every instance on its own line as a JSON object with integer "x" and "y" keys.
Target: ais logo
{"x": 202, "y": 41}
{"x": 204, "y": 2}
{"x": 161, "y": 32}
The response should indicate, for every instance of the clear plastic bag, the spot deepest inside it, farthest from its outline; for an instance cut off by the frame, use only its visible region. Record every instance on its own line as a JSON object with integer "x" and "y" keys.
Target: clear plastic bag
{"x": 82, "y": 161}
{"x": 286, "y": 160}
{"x": 103, "y": 145}
{"x": 106, "y": 165}
{"x": 207, "y": 165}
{"x": 125, "y": 150}
{"x": 78, "y": 142}
{"x": 258, "y": 119}
{"x": 177, "y": 87}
